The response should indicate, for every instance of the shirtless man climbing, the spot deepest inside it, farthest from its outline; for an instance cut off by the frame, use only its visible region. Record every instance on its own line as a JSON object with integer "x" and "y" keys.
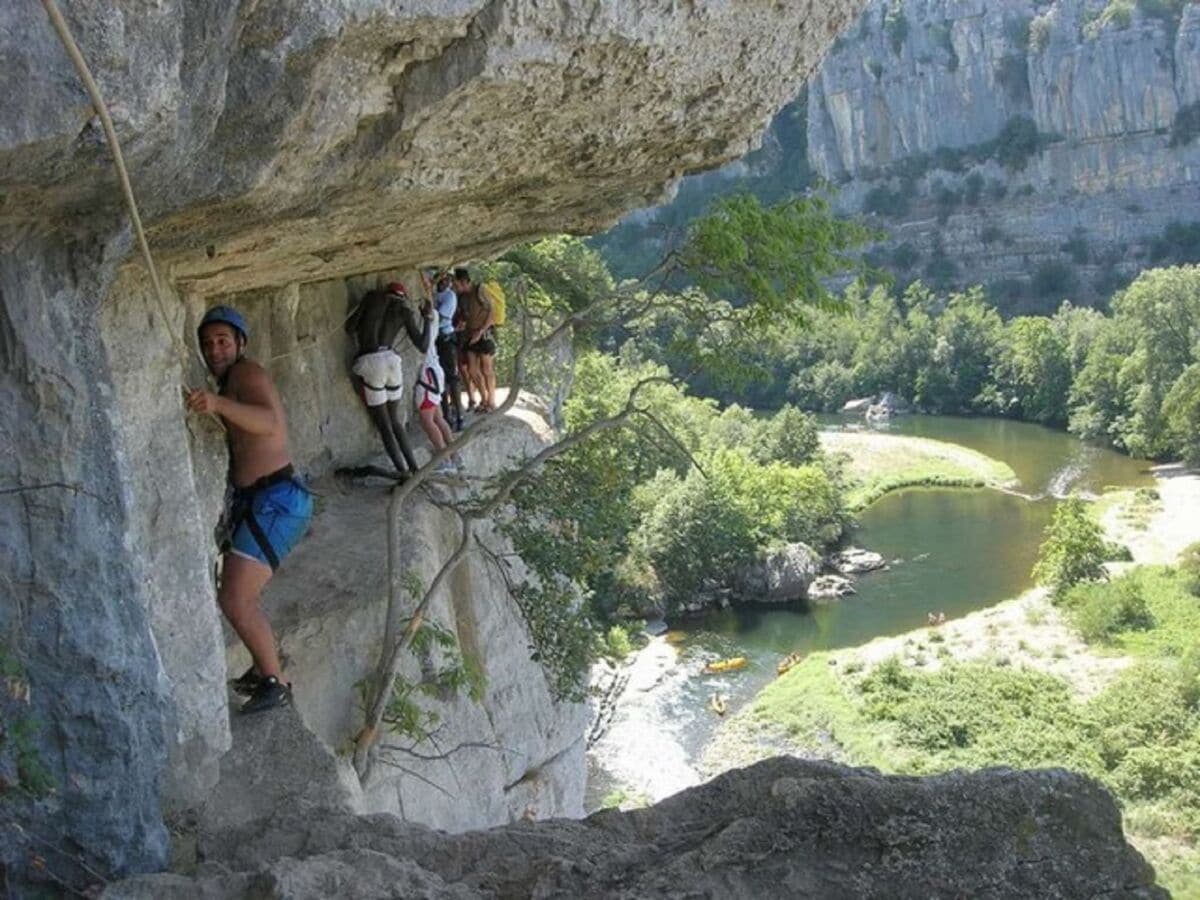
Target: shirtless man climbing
{"x": 269, "y": 508}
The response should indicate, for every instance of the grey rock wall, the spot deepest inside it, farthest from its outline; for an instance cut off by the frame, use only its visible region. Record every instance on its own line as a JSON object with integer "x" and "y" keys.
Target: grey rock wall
{"x": 274, "y": 147}
{"x": 74, "y": 615}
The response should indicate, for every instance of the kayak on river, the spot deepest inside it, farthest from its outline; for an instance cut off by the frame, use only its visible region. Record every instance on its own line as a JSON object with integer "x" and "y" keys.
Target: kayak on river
{"x": 725, "y": 665}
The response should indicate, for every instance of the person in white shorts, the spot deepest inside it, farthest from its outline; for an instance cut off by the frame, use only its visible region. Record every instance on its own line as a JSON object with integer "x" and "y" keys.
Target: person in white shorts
{"x": 379, "y": 376}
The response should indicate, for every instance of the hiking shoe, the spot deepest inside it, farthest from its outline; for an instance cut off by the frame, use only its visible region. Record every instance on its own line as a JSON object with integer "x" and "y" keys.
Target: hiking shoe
{"x": 445, "y": 467}
{"x": 246, "y": 683}
{"x": 270, "y": 693}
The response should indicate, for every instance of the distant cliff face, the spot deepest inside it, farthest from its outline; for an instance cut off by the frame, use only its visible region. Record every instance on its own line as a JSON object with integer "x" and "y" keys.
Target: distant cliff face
{"x": 1046, "y": 149}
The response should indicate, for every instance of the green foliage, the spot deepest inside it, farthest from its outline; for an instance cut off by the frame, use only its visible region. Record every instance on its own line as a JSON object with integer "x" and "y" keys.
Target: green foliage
{"x": 1181, "y": 414}
{"x": 1040, "y": 29}
{"x": 790, "y": 436}
{"x": 946, "y": 199}
{"x": 617, "y": 645}
{"x": 965, "y": 714}
{"x": 1017, "y": 142}
{"x": 1116, "y": 14}
{"x": 1073, "y": 549}
{"x": 1012, "y": 74}
{"x": 1016, "y": 30}
{"x": 885, "y": 201}
{"x": 1189, "y": 569}
{"x": 1053, "y": 280}
{"x": 1179, "y": 243}
{"x": 771, "y": 262}
{"x": 1140, "y": 735}
{"x": 1100, "y": 612}
{"x": 19, "y": 731}
{"x": 1185, "y": 128}
{"x": 895, "y": 26}
{"x": 445, "y": 672}
{"x": 1032, "y": 372}
{"x": 562, "y": 634}
{"x": 904, "y": 256}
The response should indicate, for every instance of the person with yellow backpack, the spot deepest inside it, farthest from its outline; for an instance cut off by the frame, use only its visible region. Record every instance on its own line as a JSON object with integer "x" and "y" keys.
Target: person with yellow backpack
{"x": 480, "y": 304}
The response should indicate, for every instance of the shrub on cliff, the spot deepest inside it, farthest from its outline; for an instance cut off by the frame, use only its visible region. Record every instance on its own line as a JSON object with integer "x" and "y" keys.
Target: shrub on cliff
{"x": 1101, "y": 611}
{"x": 1189, "y": 569}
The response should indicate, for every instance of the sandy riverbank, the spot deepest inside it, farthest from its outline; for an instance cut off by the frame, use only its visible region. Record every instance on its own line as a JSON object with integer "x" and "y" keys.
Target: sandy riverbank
{"x": 1161, "y": 533}
{"x": 877, "y": 463}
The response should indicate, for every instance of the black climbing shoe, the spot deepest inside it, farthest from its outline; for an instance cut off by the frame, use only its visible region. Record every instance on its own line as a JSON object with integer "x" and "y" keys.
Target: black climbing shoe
{"x": 270, "y": 693}
{"x": 246, "y": 683}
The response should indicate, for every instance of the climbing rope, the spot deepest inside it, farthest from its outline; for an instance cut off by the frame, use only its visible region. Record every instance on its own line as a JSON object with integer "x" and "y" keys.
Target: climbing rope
{"x": 89, "y": 83}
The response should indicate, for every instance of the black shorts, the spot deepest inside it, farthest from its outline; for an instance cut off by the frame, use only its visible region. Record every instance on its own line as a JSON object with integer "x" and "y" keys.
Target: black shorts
{"x": 485, "y": 346}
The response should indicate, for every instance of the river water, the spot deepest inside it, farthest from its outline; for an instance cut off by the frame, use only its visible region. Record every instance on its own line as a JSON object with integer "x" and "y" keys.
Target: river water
{"x": 949, "y": 550}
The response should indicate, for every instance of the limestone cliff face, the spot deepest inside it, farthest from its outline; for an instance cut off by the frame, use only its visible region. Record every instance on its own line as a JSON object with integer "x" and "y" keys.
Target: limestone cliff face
{"x": 1010, "y": 136}
{"x": 278, "y": 150}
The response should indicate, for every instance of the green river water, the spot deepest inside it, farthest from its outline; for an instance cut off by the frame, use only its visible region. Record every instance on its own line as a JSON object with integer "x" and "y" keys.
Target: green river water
{"x": 951, "y": 550}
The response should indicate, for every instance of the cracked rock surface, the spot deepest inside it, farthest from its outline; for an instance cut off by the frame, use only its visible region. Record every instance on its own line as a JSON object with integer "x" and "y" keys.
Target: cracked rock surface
{"x": 781, "y": 828}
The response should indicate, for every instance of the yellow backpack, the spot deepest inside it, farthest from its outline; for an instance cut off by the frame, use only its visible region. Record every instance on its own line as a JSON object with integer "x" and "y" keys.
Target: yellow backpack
{"x": 494, "y": 294}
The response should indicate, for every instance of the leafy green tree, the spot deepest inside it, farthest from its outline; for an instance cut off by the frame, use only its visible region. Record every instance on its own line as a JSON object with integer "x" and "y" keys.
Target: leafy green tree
{"x": 1181, "y": 413}
{"x": 967, "y": 335}
{"x": 1033, "y": 370}
{"x": 1073, "y": 550}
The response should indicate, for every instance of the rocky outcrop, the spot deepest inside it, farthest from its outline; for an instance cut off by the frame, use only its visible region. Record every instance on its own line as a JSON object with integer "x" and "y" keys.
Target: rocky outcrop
{"x": 277, "y": 150}
{"x": 782, "y": 574}
{"x": 854, "y": 560}
{"x": 829, "y": 588}
{"x": 781, "y": 828}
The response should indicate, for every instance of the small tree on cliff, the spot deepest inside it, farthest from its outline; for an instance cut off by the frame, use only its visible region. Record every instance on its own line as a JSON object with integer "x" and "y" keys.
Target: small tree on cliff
{"x": 1074, "y": 549}
{"x": 755, "y": 268}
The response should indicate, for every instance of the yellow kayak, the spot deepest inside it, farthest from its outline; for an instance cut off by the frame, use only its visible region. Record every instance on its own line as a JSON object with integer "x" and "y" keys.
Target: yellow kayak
{"x": 725, "y": 665}
{"x": 788, "y": 662}
{"x": 717, "y": 703}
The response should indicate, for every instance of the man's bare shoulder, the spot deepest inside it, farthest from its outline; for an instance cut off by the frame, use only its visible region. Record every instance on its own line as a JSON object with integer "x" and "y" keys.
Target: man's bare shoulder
{"x": 249, "y": 377}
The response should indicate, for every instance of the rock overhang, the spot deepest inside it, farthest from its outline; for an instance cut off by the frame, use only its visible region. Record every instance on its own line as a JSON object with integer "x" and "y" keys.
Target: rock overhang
{"x": 295, "y": 142}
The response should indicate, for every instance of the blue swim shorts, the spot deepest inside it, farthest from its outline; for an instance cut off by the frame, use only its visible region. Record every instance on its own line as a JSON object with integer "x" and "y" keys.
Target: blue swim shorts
{"x": 269, "y": 521}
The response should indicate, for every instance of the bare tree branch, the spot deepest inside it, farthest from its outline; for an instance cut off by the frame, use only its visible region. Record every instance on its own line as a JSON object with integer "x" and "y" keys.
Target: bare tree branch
{"x": 446, "y": 754}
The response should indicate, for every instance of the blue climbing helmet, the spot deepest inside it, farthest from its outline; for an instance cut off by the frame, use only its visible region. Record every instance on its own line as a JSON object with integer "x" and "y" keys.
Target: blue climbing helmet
{"x": 229, "y": 316}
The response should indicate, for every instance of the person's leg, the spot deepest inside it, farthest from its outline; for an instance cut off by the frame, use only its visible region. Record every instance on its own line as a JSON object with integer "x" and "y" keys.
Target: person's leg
{"x": 395, "y": 415}
{"x": 487, "y": 368}
{"x": 451, "y": 402}
{"x": 440, "y": 423}
{"x": 394, "y": 441}
{"x": 469, "y": 377}
{"x": 429, "y": 418}
{"x": 242, "y": 580}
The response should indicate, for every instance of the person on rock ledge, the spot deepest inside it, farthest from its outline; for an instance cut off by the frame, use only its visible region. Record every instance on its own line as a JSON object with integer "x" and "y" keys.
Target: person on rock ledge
{"x": 375, "y": 324}
{"x": 267, "y": 507}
